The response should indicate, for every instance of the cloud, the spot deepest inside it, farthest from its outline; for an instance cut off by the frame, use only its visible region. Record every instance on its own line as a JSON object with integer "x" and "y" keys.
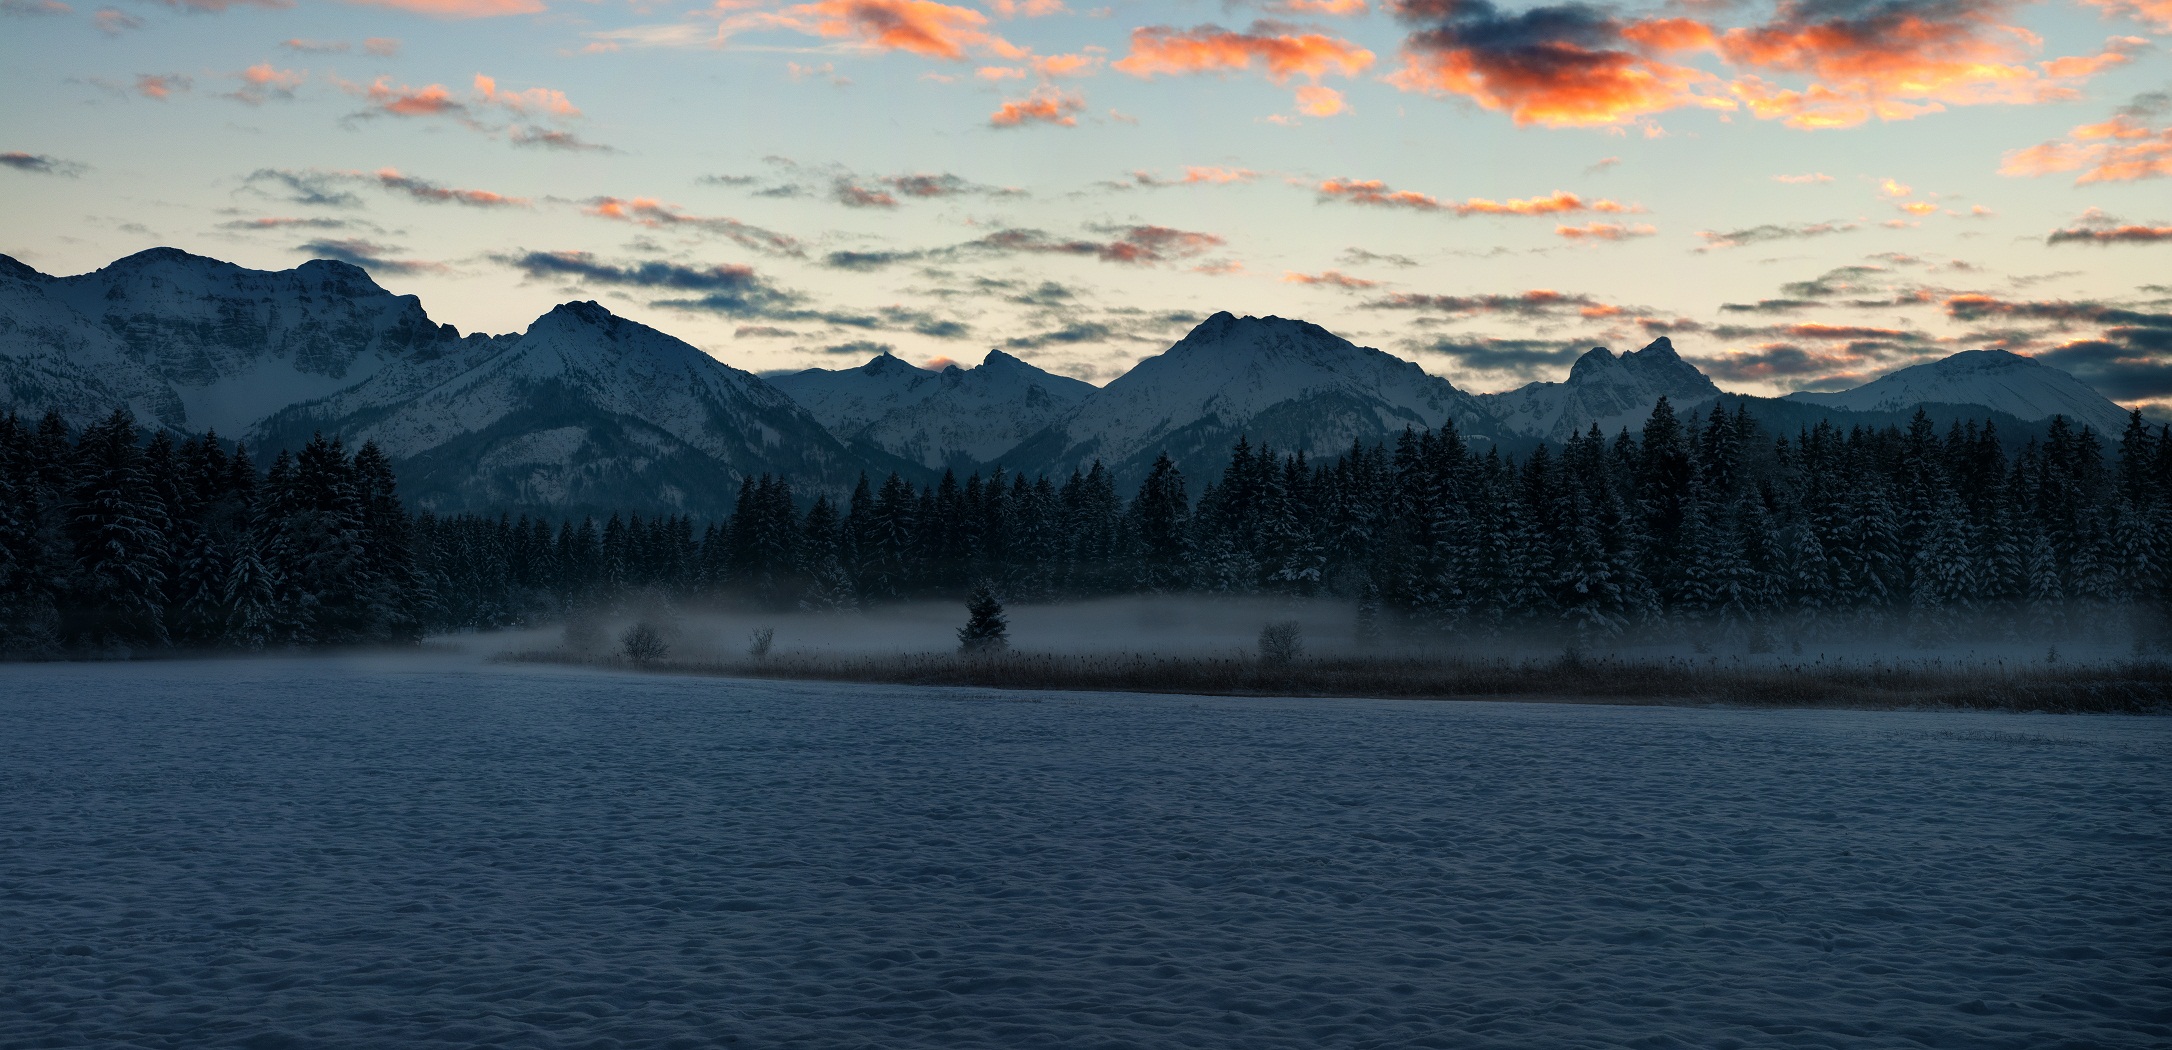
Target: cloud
{"x": 1360, "y": 257}
{"x": 113, "y": 21}
{"x": 1776, "y": 362}
{"x": 1516, "y": 357}
{"x": 34, "y": 8}
{"x": 1770, "y": 232}
{"x": 41, "y": 164}
{"x": 1329, "y": 278}
{"x": 403, "y": 101}
{"x": 1896, "y": 59}
{"x": 858, "y": 348}
{"x": 1376, "y": 193}
{"x": 1538, "y": 302}
{"x": 554, "y": 138}
{"x": 216, "y": 6}
{"x": 2127, "y": 234}
{"x": 262, "y": 82}
{"x": 920, "y": 27}
{"x": 1071, "y": 334}
{"x": 1135, "y": 245}
{"x": 868, "y": 261}
{"x": 161, "y": 86}
{"x": 2122, "y": 149}
{"x": 367, "y": 255}
{"x": 655, "y": 214}
{"x": 318, "y": 188}
{"x": 432, "y": 193}
{"x": 1560, "y": 65}
{"x": 1314, "y": 100}
{"x": 381, "y": 46}
{"x": 1026, "y": 8}
{"x": 763, "y": 331}
{"x": 1810, "y": 179}
{"x": 1605, "y": 231}
{"x": 459, "y": 8}
{"x": 548, "y": 102}
{"x": 1046, "y": 105}
{"x": 853, "y": 195}
{"x": 2157, "y": 14}
{"x": 1318, "y": 7}
{"x": 281, "y": 222}
{"x": 1281, "y": 51}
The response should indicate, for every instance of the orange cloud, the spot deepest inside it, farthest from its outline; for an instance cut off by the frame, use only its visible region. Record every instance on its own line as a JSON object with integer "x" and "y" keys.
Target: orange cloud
{"x": 2131, "y": 233}
{"x": 1027, "y": 8}
{"x": 1562, "y": 66}
{"x": 1212, "y": 49}
{"x": 1319, "y": 7}
{"x": 1605, "y": 231}
{"x": 2122, "y": 149}
{"x": 1137, "y": 245}
{"x": 1047, "y": 105}
{"x": 920, "y": 27}
{"x": 1803, "y": 180}
{"x": 1000, "y": 73}
{"x": 424, "y": 190}
{"x": 1897, "y": 60}
{"x": 1919, "y": 207}
{"x": 161, "y": 86}
{"x": 1374, "y": 192}
{"x": 1314, "y": 100}
{"x": 261, "y": 81}
{"x": 405, "y": 101}
{"x": 1894, "y": 189}
{"x": 1331, "y": 278}
{"x": 655, "y": 214}
{"x": 1053, "y": 66}
{"x": 459, "y": 8}
{"x": 2154, "y": 13}
{"x": 547, "y": 101}
{"x": 1218, "y": 175}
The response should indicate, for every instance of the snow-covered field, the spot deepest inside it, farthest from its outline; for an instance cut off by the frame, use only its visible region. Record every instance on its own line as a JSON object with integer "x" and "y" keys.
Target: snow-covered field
{"x": 371, "y": 853}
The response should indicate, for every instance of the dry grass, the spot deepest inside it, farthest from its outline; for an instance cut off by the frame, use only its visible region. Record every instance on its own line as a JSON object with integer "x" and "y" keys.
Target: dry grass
{"x": 2137, "y": 688}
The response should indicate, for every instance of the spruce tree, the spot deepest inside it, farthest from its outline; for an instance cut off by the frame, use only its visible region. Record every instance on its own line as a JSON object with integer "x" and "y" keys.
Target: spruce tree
{"x": 985, "y": 630}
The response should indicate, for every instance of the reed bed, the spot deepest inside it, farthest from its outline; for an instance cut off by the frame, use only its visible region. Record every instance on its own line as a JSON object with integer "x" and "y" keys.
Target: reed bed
{"x": 2139, "y": 687}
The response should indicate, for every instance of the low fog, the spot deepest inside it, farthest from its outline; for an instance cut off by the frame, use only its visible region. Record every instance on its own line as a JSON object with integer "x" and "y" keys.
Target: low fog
{"x": 1230, "y": 626}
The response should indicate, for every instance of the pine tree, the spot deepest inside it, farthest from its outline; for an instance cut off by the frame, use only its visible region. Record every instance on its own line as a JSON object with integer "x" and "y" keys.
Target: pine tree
{"x": 986, "y": 630}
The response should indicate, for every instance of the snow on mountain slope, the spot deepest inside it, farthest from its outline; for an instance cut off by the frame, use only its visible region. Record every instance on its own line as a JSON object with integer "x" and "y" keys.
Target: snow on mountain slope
{"x": 1610, "y": 391}
{"x": 2020, "y": 386}
{"x": 1285, "y": 382}
{"x": 586, "y": 410}
{"x": 958, "y": 417}
{"x": 54, "y": 358}
{"x": 196, "y": 343}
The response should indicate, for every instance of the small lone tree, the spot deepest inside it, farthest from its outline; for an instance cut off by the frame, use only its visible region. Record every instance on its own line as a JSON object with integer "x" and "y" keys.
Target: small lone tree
{"x": 643, "y": 643}
{"x": 1280, "y": 643}
{"x": 759, "y": 641}
{"x": 986, "y": 631}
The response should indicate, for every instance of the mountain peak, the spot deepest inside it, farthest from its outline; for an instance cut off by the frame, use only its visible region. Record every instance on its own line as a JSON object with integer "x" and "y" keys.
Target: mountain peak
{"x": 887, "y": 363}
{"x": 1596, "y": 358}
{"x": 21, "y": 271}
{"x": 2016, "y": 384}
{"x": 582, "y": 312}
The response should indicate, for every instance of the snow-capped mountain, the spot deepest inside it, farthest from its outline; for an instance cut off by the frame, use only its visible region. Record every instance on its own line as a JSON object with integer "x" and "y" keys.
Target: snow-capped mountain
{"x": 1613, "y": 392}
{"x": 196, "y": 343}
{"x": 1284, "y": 382}
{"x": 957, "y": 417}
{"x": 2019, "y": 386}
{"x": 584, "y": 410}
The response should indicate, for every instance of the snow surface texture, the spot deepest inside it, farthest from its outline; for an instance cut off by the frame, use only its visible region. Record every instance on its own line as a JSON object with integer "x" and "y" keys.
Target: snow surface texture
{"x": 958, "y": 417}
{"x": 2020, "y": 386}
{"x": 357, "y": 853}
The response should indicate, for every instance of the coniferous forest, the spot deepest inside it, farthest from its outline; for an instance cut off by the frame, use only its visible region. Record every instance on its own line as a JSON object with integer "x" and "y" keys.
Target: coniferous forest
{"x": 1714, "y": 527}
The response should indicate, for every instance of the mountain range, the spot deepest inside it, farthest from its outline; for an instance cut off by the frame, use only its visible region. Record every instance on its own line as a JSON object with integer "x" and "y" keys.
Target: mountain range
{"x": 586, "y": 411}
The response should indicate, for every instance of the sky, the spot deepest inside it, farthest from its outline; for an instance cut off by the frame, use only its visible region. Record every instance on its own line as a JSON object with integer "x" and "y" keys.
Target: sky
{"x": 1802, "y": 195}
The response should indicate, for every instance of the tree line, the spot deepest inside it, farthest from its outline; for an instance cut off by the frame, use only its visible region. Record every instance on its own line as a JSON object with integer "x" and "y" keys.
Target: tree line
{"x": 1708, "y": 524}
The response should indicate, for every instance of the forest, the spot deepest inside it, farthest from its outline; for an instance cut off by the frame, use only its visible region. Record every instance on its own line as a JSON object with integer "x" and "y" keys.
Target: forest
{"x": 118, "y": 543}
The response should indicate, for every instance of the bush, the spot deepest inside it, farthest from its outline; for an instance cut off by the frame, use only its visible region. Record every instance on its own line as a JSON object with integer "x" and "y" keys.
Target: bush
{"x": 758, "y": 641}
{"x": 643, "y": 643}
{"x": 1280, "y": 643}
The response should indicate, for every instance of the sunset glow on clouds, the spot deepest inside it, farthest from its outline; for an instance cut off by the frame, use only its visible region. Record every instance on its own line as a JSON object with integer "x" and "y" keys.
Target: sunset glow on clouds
{"x": 1796, "y": 192}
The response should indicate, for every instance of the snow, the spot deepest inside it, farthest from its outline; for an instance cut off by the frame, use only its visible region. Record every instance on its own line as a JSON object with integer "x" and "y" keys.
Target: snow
{"x": 938, "y": 419}
{"x": 431, "y": 852}
{"x": 1612, "y": 392}
{"x": 1230, "y": 371}
{"x": 1998, "y": 379}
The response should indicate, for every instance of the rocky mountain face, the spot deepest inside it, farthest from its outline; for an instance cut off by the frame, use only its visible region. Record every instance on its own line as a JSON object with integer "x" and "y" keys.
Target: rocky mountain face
{"x": 954, "y": 418}
{"x": 1287, "y": 383}
{"x": 2008, "y": 382}
{"x": 1612, "y": 392}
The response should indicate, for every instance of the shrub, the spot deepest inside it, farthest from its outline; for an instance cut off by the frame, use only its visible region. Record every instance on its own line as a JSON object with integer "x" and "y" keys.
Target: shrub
{"x": 1280, "y": 643}
{"x": 759, "y": 640}
{"x": 643, "y": 643}
{"x": 985, "y": 631}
